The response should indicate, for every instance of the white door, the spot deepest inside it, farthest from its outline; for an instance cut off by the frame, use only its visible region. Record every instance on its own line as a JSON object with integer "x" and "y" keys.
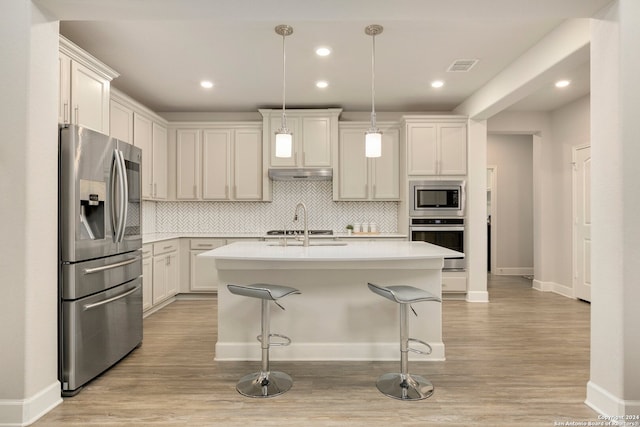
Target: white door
{"x": 582, "y": 223}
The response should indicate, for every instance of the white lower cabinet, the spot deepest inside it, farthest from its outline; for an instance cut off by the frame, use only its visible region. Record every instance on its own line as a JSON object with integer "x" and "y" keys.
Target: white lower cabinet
{"x": 160, "y": 272}
{"x": 147, "y": 276}
{"x": 203, "y": 275}
{"x": 454, "y": 281}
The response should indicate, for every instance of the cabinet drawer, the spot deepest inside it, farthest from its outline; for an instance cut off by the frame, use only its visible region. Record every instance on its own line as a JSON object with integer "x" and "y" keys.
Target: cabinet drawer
{"x": 454, "y": 282}
{"x": 147, "y": 250}
{"x": 205, "y": 244}
{"x": 164, "y": 247}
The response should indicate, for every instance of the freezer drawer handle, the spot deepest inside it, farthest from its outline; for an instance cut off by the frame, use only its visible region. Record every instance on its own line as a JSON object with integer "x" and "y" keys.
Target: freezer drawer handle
{"x": 110, "y": 266}
{"x": 107, "y": 301}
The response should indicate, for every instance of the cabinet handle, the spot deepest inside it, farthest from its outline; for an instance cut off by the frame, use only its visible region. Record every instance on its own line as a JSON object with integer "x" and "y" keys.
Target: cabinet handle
{"x": 167, "y": 247}
{"x": 77, "y": 110}
{"x": 204, "y": 245}
{"x": 155, "y": 189}
{"x": 374, "y": 190}
{"x": 304, "y": 158}
{"x": 65, "y": 112}
{"x": 195, "y": 191}
{"x": 168, "y": 261}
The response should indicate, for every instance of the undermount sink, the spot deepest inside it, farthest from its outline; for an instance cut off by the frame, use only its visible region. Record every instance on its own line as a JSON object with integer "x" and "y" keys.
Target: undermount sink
{"x": 311, "y": 243}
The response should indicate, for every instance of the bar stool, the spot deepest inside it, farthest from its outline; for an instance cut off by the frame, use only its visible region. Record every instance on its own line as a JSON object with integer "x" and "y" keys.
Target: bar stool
{"x": 265, "y": 383}
{"x": 403, "y": 385}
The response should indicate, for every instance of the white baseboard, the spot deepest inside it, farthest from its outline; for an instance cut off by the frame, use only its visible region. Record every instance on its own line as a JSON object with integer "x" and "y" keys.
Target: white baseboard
{"x": 605, "y": 403}
{"x": 387, "y": 351}
{"x": 477, "y": 296}
{"x": 513, "y": 271}
{"x": 23, "y": 412}
{"x": 557, "y": 288}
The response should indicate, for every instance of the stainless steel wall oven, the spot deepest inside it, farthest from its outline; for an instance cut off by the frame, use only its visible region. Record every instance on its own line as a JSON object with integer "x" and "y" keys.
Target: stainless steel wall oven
{"x": 446, "y": 232}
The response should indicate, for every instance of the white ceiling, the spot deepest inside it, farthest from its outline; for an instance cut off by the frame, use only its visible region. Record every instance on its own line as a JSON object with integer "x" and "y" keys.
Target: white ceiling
{"x": 163, "y": 48}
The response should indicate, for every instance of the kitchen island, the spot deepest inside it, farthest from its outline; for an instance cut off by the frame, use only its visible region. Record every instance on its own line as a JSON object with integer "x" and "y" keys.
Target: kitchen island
{"x": 336, "y": 317}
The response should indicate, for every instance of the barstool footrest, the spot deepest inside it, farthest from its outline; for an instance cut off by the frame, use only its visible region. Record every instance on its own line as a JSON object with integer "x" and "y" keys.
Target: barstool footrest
{"x": 285, "y": 343}
{"x": 264, "y": 384}
{"x": 404, "y": 386}
{"x": 415, "y": 350}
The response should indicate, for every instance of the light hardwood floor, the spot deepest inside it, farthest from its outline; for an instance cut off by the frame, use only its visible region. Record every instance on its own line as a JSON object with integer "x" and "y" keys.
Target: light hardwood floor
{"x": 520, "y": 360}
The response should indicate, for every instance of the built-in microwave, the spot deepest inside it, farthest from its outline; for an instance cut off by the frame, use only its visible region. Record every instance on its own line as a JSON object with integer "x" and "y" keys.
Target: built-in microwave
{"x": 436, "y": 198}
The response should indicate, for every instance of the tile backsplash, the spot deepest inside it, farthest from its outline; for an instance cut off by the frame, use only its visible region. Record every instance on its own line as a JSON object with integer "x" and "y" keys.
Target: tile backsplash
{"x": 239, "y": 217}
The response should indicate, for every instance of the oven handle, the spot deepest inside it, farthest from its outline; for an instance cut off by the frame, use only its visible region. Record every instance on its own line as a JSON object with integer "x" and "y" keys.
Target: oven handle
{"x": 437, "y": 228}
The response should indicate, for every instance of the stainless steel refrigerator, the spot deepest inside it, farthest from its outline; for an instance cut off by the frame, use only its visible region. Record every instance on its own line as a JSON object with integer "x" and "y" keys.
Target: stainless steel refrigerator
{"x": 100, "y": 257}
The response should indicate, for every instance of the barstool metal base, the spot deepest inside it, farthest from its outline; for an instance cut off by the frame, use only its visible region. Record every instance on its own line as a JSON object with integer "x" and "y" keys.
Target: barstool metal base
{"x": 264, "y": 384}
{"x": 404, "y": 386}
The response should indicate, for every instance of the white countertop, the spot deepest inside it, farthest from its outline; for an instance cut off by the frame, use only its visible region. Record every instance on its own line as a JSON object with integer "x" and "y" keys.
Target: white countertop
{"x": 352, "y": 251}
{"x": 159, "y": 237}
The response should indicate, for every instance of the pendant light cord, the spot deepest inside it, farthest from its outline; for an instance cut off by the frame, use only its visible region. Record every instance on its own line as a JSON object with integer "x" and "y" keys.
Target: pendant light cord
{"x": 284, "y": 75}
{"x": 373, "y": 79}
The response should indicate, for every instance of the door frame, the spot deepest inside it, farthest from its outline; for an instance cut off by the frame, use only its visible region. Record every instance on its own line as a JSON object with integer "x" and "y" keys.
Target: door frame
{"x": 494, "y": 217}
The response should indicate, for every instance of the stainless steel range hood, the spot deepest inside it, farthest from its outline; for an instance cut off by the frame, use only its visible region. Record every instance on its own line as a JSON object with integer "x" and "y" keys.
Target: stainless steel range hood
{"x": 304, "y": 174}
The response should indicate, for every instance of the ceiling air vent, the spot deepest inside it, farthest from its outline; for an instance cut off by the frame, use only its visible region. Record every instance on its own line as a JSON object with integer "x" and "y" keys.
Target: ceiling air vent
{"x": 461, "y": 65}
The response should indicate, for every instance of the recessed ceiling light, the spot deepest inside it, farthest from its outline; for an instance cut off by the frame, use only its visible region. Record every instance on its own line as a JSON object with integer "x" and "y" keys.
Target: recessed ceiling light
{"x": 562, "y": 83}
{"x": 322, "y": 84}
{"x": 323, "y": 51}
{"x": 206, "y": 84}
{"x": 437, "y": 83}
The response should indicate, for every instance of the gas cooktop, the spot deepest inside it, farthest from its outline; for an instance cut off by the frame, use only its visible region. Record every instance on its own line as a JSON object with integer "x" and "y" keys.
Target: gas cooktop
{"x": 299, "y": 232}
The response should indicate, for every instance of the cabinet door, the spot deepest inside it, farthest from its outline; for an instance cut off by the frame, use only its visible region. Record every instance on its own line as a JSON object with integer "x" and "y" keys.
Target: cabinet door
{"x": 188, "y": 164}
{"x": 353, "y": 166}
{"x": 216, "y": 152}
{"x": 386, "y": 169}
{"x": 316, "y": 141}
{"x": 293, "y": 126}
{"x": 89, "y": 98}
{"x": 203, "y": 275}
{"x": 121, "y": 122}
{"x": 142, "y": 139}
{"x": 247, "y": 161}
{"x": 159, "y": 278}
{"x": 173, "y": 273}
{"x": 147, "y": 283}
{"x": 159, "y": 163}
{"x": 64, "y": 89}
{"x": 422, "y": 148}
{"x": 453, "y": 149}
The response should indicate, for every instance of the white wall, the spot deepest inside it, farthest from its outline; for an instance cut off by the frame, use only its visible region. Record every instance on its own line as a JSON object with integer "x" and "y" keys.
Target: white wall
{"x": 28, "y": 200}
{"x": 554, "y": 136}
{"x": 571, "y": 128}
{"x": 513, "y": 156}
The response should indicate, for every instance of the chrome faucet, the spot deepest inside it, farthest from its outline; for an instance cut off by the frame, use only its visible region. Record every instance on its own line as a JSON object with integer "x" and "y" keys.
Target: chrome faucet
{"x": 305, "y": 241}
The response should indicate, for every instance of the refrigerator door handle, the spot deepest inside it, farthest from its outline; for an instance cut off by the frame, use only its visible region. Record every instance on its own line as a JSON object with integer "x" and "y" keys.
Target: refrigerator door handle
{"x": 124, "y": 195}
{"x": 118, "y": 219}
{"x": 110, "y": 266}
{"x": 109, "y": 300}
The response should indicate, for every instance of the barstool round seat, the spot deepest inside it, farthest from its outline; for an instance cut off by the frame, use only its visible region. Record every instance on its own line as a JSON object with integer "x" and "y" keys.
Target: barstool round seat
{"x": 403, "y": 385}
{"x": 265, "y": 383}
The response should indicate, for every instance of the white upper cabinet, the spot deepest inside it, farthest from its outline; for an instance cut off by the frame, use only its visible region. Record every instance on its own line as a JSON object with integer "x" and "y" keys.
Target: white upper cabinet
{"x": 436, "y": 146}
{"x": 84, "y": 88}
{"x": 219, "y": 162}
{"x": 121, "y": 122}
{"x": 362, "y": 178}
{"x": 134, "y": 123}
{"x": 313, "y": 134}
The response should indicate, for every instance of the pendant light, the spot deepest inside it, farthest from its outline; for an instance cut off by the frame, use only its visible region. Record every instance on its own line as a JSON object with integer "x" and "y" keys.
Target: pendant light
{"x": 373, "y": 137}
{"x": 284, "y": 138}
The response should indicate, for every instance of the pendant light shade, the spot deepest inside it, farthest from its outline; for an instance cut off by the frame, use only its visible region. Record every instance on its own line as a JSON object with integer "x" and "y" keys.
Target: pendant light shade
{"x": 284, "y": 138}
{"x": 373, "y": 137}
